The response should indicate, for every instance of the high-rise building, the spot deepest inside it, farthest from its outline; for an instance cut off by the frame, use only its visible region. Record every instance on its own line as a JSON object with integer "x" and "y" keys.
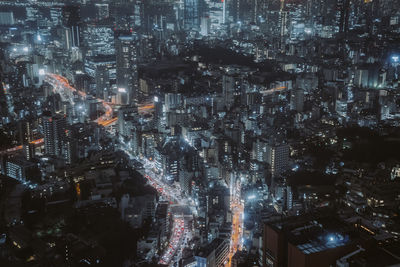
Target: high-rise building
{"x": 70, "y": 150}
{"x": 56, "y": 15}
{"x": 126, "y": 118}
{"x": 25, "y": 132}
{"x": 91, "y": 108}
{"x": 205, "y": 26}
{"x": 228, "y": 90}
{"x": 297, "y": 100}
{"x": 6, "y": 18}
{"x": 162, "y": 215}
{"x": 185, "y": 181}
{"x": 66, "y": 38}
{"x": 215, "y": 254}
{"x": 127, "y": 78}
{"x": 102, "y": 78}
{"x": 344, "y": 9}
{"x": 18, "y": 169}
{"x": 191, "y": 14}
{"x": 283, "y": 22}
{"x": 98, "y": 39}
{"x": 71, "y": 20}
{"x": 278, "y": 158}
{"x": 29, "y": 151}
{"x": 54, "y": 134}
{"x": 288, "y": 198}
{"x": 102, "y": 11}
{"x": 308, "y": 241}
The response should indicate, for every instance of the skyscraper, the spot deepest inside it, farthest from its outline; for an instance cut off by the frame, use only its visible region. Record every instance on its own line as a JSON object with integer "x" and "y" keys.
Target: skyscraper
{"x": 297, "y": 100}
{"x": 205, "y": 26}
{"x": 127, "y": 80}
{"x": 191, "y": 14}
{"x": 277, "y": 158}
{"x": 6, "y": 18}
{"x": 344, "y": 8}
{"x": 54, "y": 134}
{"x": 71, "y": 20}
{"x": 228, "y": 90}
{"x": 102, "y": 78}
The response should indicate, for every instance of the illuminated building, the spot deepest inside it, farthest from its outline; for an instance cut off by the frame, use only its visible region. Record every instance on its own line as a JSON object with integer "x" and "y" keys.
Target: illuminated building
{"x": 277, "y": 156}
{"x": 297, "y": 100}
{"x": 101, "y": 63}
{"x": 54, "y": 134}
{"x": 228, "y": 90}
{"x": 71, "y": 19}
{"x": 126, "y": 118}
{"x": 205, "y": 26}
{"x": 191, "y": 14}
{"x": 102, "y": 80}
{"x": 18, "y": 169}
{"x": 162, "y": 216}
{"x": 29, "y": 151}
{"x": 6, "y": 18}
{"x": 344, "y": 8}
{"x": 304, "y": 241}
{"x": 98, "y": 39}
{"x": 215, "y": 254}
{"x": 127, "y": 80}
{"x": 102, "y": 11}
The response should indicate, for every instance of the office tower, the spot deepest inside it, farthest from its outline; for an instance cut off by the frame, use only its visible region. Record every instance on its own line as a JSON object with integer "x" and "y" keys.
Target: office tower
{"x": 344, "y": 9}
{"x": 66, "y": 38}
{"x": 205, "y": 26}
{"x": 25, "y": 132}
{"x": 6, "y": 18}
{"x": 102, "y": 79}
{"x": 283, "y": 21}
{"x": 138, "y": 13}
{"x": 232, "y": 9}
{"x": 185, "y": 181}
{"x": 29, "y": 151}
{"x": 54, "y": 134}
{"x": 191, "y": 14}
{"x": 288, "y": 198}
{"x": 173, "y": 101}
{"x": 126, "y": 118}
{"x": 82, "y": 82}
{"x": 55, "y": 15}
{"x": 71, "y": 150}
{"x": 71, "y": 20}
{"x": 162, "y": 216}
{"x": 91, "y": 108}
{"x": 278, "y": 158}
{"x": 102, "y": 11}
{"x": 127, "y": 80}
{"x": 297, "y": 100}
{"x": 223, "y": 11}
{"x": 215, "y": 254}
{"x": 99, "y": 39}
{"x": 228, "y": 90}
{"x": 304, "y": 241}
{"x": 19, "y": 169}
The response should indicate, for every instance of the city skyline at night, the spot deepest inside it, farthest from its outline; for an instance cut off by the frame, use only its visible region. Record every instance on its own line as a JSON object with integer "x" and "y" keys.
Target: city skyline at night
{"x": 200, "y": 133}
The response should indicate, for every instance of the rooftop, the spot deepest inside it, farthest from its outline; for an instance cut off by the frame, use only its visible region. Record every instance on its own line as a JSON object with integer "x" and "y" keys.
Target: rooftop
{"x": 312, "y": 234}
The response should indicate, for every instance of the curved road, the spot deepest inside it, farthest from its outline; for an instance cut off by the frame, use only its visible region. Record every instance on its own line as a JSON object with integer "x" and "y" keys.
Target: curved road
{"x": 63, "y": 87}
